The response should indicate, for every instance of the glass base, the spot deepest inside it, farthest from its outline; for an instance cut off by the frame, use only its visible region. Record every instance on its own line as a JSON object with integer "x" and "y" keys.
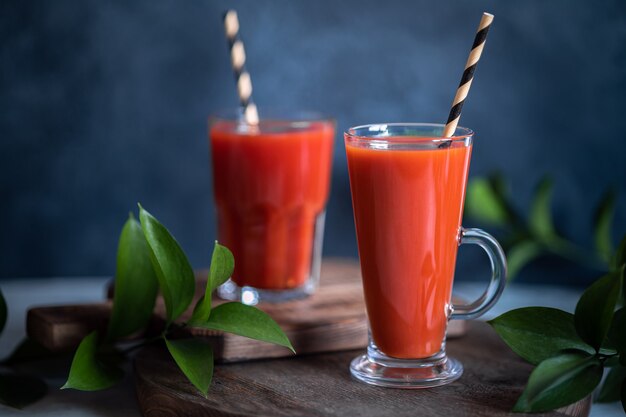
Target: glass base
{"x": 252, "y": 296}
{"x": 375, "y": 368}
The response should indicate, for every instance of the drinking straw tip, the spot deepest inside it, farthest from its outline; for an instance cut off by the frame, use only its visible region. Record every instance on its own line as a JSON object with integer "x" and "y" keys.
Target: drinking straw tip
{"x": 231, "y": 23}
{"x": 228, "y": 13}
{"x": 487, "y": 18}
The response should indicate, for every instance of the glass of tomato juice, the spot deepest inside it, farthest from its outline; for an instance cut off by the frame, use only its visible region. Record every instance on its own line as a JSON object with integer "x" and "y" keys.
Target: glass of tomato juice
{"x": 408, "y": 188}
{"x": 271, "y": 184}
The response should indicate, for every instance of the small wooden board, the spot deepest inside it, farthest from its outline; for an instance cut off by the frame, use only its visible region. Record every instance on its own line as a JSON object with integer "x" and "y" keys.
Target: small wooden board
{"x": 332, "y": 319}
{"x": 61, "y": 328}
{"x": 321, "y": 385}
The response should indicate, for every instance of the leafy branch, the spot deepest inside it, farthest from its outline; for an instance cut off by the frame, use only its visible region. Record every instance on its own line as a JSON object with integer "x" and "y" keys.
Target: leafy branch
{"x": 572, "y": 350}
{"x": 148, "y": 260}
{"x": 526, "y": 238}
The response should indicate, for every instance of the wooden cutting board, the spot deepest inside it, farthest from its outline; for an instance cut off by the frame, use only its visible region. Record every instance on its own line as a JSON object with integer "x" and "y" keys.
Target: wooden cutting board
{"x": 320, "y": 385}
{"x": 333, "y": 319}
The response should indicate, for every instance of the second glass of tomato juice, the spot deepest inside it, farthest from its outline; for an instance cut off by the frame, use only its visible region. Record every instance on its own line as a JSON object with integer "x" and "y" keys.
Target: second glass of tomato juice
{"x": 271, "y": 184}
{"x": 408, "y": 186}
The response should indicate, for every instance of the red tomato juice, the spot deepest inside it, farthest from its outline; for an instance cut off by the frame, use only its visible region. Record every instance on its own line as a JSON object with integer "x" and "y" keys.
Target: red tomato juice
{"x": 270, "y": 185}
{"x": 408, "y": 206}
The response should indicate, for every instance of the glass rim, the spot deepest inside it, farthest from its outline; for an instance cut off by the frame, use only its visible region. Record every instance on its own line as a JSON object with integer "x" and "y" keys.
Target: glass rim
{"x": 461, "y": 134}
{"x": 271, "y": 114}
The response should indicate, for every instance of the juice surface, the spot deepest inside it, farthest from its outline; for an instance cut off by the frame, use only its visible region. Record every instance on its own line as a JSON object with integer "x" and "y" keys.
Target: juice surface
{"x": 408, "y": 206}
{"x": 269, "y": 188}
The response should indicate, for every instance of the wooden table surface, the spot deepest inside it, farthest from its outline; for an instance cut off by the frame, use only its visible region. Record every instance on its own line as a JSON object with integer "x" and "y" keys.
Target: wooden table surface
{"x": 320, "y": 386}
{"x": 120, "y": 401}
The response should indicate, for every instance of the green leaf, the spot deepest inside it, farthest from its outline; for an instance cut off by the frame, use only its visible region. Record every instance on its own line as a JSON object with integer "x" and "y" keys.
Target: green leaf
{"x": 90, "y": 372}
{"x": 540, "y": 218}
{"x": 610, "y": 390}
{"x": 611, "y": 362}
{"x": 538, "y": 333}
{"x": 136, "y": 283}
{"x": 619, "y": 259}
{"x": 595, "y": 308}
{"x": 560, "y": 381}
{"x": 603, "y": 221}
{"x": 3, "y": 312}
{"x": 222, "y": 266}
{"x": 520, "y": 255}
{"x": 174, "y": 273}
{"x": 617, "y": 331}
{"x": 617, "y": 334}
{"x": 484, "y": 204}
{"x": 247, "y": 321}
{"x": 18, "y": 390}
{"x": 195, "y": 359}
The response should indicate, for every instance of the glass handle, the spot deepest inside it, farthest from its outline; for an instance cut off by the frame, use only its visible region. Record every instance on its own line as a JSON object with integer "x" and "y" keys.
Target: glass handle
{"x": 498, "y": 275}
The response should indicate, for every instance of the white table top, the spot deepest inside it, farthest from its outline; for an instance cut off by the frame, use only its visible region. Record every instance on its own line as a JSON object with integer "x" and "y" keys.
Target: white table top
{"x": 120, "y": 401}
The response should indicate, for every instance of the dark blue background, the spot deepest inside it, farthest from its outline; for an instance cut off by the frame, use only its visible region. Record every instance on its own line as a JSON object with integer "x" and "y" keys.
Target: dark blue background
{"x": 103, "y": 104}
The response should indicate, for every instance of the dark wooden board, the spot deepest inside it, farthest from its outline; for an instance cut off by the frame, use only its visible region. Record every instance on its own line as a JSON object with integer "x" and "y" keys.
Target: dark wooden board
{"x": 321, "y": 385}
{"x": 333, "y": 319}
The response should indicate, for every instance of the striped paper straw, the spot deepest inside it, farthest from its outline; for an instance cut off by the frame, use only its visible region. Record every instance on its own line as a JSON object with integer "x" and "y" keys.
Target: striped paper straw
{"x": 238, "y": 61}
{"x": 468, "y": 75}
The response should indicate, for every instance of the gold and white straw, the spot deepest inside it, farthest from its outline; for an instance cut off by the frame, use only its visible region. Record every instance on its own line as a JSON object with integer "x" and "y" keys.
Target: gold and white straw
{"x": 238, "y": 61}
{"x": 468, "y": 75}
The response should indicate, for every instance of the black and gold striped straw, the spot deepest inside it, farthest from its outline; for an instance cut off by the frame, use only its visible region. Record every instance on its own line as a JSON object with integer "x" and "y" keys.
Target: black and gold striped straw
{"x": 238, "y": 61}
{"x": 468, "y": 75}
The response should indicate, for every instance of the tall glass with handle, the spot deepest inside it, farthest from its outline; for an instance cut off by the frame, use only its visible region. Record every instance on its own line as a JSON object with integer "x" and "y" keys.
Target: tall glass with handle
{"x": 408, "y": 188}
